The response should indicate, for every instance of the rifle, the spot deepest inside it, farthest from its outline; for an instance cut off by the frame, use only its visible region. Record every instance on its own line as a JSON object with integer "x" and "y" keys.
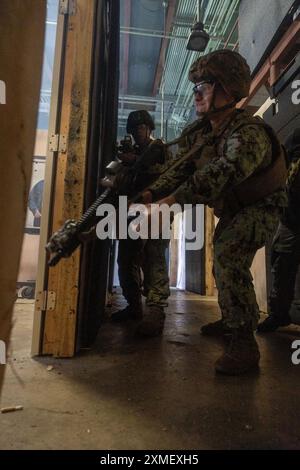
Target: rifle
{"x": 65, "y": 241}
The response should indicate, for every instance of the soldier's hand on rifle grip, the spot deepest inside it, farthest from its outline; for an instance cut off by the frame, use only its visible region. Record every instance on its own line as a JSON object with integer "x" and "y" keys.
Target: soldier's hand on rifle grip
{"x": 107, "y": 182}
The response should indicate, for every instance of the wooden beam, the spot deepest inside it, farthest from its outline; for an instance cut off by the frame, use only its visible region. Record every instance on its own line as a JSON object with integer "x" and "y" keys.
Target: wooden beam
{"x": 286, "y": 42}
{"x": 209, "y": 221}
{"x": 46, "y": 223}
{"x": 60, "y": 323}
{"x": 22, "y": 28}
{"x": 50, "y": 333}
{"x": 161, "y": 61}
{"x": 271, "y": 64}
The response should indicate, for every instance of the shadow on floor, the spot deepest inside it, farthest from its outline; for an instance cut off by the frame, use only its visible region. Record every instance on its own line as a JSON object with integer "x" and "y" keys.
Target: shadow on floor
{"x": 160, "y": 393}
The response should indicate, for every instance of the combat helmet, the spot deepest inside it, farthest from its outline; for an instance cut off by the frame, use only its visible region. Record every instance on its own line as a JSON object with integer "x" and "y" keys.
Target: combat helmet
{"x": 135, "y": 118}
{"x": 226, "y": 67}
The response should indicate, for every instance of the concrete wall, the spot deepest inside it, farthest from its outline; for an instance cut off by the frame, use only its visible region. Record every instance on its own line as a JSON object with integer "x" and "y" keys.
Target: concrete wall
{"x": 255, "y": 40}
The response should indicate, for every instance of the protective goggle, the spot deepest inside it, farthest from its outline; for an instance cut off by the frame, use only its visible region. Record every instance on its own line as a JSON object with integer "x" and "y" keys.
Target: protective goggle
{"x": 204, "y": 87}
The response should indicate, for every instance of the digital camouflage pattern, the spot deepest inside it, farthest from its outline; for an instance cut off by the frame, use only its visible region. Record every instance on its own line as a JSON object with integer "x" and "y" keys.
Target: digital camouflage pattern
{"x": 291, "y": 217}
{"x": 293, "y": 175}
{"x": 146, "y": 255}
{"x": 235, "y": 245}
{"x": 224, "y": 160}
{"x": 285, "y": 260}
{"x": 156, "y": 278}
{"x": 285, "y": 256}
{"x": 151, "y": 162}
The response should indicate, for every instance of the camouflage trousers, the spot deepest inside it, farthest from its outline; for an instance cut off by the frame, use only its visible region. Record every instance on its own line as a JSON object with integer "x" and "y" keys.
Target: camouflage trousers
{"x": 147, "y": 256}
{"x": 236, "y": 242}
{"x": 285, "y": 261}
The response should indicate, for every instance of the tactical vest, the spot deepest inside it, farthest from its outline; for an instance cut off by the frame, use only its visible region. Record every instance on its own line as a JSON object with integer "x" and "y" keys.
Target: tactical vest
{"x": 154, "y": 161}
{"x": 262, "y": 183}
{"x": 266, "y": 179}
{"x": 158, "y": 167}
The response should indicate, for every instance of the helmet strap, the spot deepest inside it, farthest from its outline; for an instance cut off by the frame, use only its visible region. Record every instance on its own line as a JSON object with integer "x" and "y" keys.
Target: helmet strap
{"x": 223, "y": 108}
{"x": 214, "y": 110}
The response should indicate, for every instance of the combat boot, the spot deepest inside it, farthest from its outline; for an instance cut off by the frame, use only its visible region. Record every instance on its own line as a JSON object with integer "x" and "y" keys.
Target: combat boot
{"x": 216, "y": 328}
{"x": 153, "y": 322}
{"x": 271, "y": 324}
{"x": 241, "y": 354}
{"x": 131, "y": 312}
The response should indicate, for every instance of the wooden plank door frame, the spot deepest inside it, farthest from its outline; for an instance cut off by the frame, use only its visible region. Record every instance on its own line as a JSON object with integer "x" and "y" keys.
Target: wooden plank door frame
{"x": 55, "y": 318}
{"x": 50, "y": 167}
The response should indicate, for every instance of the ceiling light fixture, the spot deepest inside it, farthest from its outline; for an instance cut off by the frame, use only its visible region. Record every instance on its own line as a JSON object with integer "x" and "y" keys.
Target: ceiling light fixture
{"x": 198, "y": 38}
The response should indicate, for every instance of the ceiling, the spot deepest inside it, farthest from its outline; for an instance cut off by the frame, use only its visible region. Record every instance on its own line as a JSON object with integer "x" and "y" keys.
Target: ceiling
{"x": 50, "y": 36}
{"x": 154, "y": 62}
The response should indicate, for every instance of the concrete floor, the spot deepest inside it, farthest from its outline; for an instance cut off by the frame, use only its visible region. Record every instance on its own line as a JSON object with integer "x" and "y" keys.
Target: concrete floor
{"x": 158, "y": 393}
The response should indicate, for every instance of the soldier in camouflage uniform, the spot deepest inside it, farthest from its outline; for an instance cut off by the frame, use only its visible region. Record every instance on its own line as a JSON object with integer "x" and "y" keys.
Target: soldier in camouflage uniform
{"x": 285, "y": 255}
{"x": 236, "y": 166}
{"x": 145, "y": 165}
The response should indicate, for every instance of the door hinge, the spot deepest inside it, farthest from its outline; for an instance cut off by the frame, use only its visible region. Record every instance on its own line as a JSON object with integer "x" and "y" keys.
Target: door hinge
{"x": 67, "y": 7}
{"x": 57, "y": 143}
{"x": 45, "y": 300}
